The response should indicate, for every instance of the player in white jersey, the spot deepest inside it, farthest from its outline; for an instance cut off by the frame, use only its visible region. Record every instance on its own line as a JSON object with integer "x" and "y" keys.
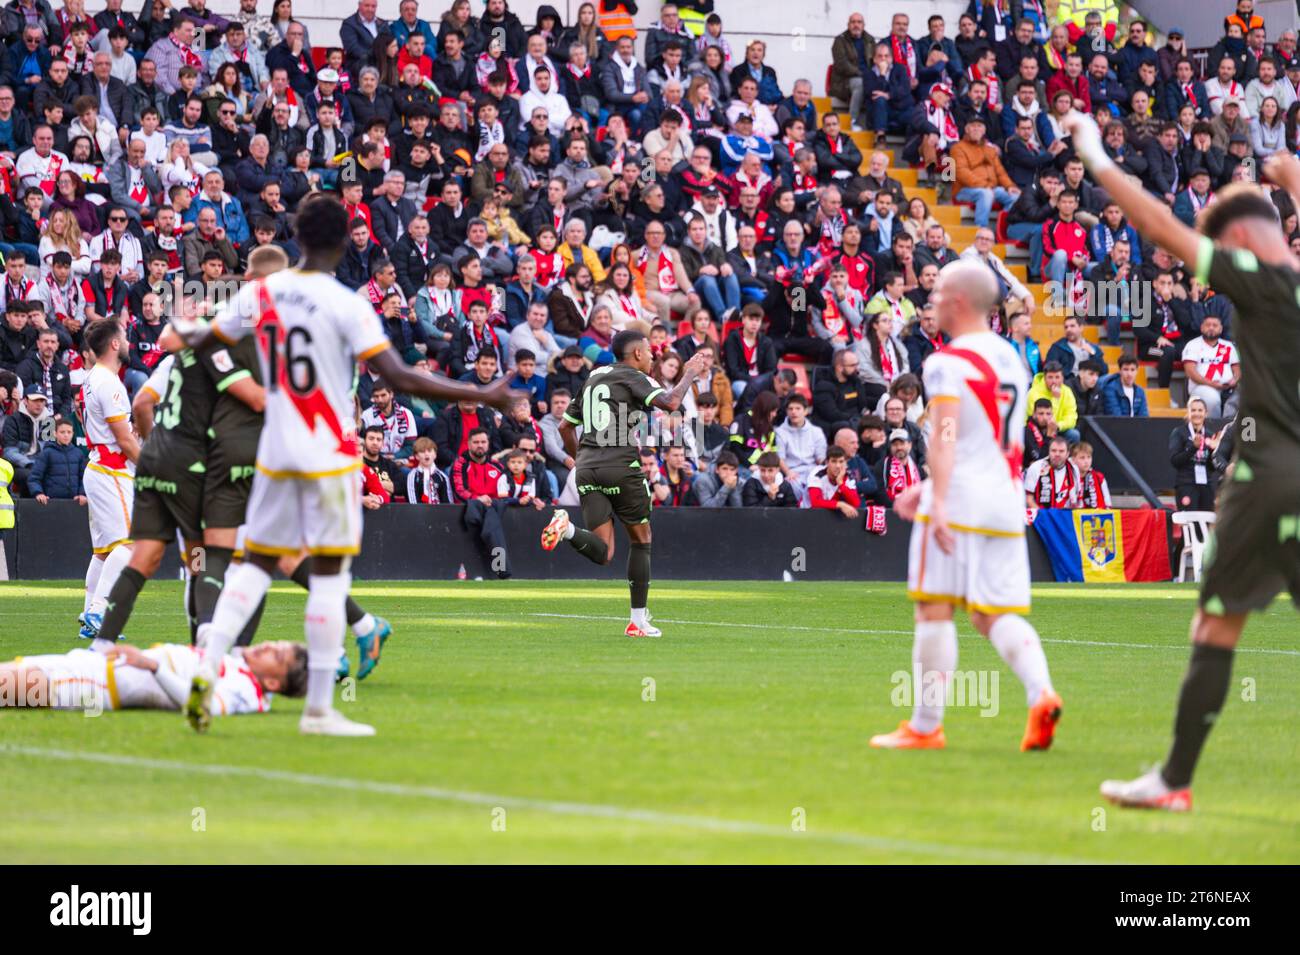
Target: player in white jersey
{"x": 128, "y": 678}
{"x": 968, "y": 541}
{"x": 307, "y": 493}
{"x": 110, "y": 475}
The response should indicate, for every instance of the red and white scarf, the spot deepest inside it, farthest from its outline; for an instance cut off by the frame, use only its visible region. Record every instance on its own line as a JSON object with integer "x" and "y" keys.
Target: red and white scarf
{"x": 902, "y": 475}
{"x": 663, "y": 269}
{"x": 941, "y": 119}
{"x": 188, "y": 56}
{"x": 904, "y": 53}
{"x": 1048, "y": 494}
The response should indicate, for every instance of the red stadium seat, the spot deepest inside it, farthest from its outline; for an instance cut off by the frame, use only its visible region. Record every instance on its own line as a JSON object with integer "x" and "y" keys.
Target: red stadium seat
{"x": 683, "y": 328}
{"x": 729, "y": 327}
{"x": 802, "y": 383}
{"x": 318, "y": 54}
{"x": 1001, "y": 232}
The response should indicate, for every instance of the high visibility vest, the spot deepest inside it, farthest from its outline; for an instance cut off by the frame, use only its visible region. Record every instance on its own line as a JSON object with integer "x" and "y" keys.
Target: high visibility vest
{"x": 1076, "y": 11}
{"x": 6, "y": 502}
{"x": 693, "y": 20}
{"x": 615, "y": 22}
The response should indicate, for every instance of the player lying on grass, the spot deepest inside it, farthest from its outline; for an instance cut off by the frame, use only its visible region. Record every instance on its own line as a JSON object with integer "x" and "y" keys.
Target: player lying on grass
{"x": 1241, "y": 252}
{"x": 611, "y": 409}
{"x": 968, "y": 541}
{"x": 128, "y": 678}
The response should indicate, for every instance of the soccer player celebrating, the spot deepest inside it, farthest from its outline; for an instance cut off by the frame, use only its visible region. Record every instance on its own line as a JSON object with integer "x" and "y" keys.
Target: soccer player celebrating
{"x": 1255, "y": 553}
{"x": 612, "y": 409}
{"x": 968, "y": 543}
{"x": 311, "y": 332}
{"x": 127, "y": 678}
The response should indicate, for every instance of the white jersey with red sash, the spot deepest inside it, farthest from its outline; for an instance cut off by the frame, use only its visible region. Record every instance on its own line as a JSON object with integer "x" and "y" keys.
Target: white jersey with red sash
{"x": 984, "y": 376}
{"x": 310, "y": 333}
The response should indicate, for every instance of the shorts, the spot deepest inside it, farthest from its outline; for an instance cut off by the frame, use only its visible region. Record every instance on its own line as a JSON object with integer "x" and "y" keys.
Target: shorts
{"x": 110, "y": 496}
{"x": 985, "y": 573}
{"x": 322, "y": 515}
{"x": 165, "y": 505}
{"x": 613, "y": 491}
{"x": 226, "y": 490}
{"x": 84, "y": 679}
{"x": 1254, "y": 552}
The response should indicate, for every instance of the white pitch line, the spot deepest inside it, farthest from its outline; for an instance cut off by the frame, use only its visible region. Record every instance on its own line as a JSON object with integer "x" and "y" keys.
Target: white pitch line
{"x": 969, "y": 636}
{"x": 651, "y": 817}
{"x": 763, "y": 626}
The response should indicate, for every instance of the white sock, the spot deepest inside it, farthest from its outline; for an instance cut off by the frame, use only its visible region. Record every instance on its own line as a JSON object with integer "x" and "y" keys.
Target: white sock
{"x": 639, "y": 617}
{"x": 93, "y": 570}
{"x": 934, "y": 657}
{"x": 1018, "y": 645}
{"x": 246, "y": 585}
{"x": 364, "y": 625}
{"x": 569, "y": 530}
{"x": 114, "y": 564}
{"x": 325, "y": 624}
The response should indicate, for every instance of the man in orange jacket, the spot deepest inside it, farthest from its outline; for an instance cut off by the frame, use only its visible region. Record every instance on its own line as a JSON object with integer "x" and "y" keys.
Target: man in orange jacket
{"x": 979, "y": 175}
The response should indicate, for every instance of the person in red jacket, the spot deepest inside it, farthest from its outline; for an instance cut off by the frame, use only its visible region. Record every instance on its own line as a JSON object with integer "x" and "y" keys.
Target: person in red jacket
{"x": 484, "y": 487}
{"x": 1073, "y": 81}
{"x": 1065, "y": 241}
{"x": 832, "y": 488}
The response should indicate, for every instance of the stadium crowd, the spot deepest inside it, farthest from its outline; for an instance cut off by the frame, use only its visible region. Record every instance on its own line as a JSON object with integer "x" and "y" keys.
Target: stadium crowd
{"x": 520, "y": 193}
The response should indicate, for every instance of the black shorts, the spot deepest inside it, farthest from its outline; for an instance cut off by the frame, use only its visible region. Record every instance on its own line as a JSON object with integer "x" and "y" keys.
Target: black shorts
{"x": 166, "y": 504}
{"x": 613, "y": 491}
{"x": 1255, "y": 551}
{"x": 225, "y": 491}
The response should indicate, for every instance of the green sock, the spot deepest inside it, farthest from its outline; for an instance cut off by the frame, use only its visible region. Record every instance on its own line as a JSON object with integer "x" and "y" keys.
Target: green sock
{"x": 589, "y": 546}
{"x": 209, "y": 581}
{"x": 121, "y": 601}
{"x": 638, "y": 574}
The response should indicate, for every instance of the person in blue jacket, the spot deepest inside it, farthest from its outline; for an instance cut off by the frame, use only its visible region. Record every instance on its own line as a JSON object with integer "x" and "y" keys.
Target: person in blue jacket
{"x": 1121, "y": 395}
{"x": 57, "y": 470}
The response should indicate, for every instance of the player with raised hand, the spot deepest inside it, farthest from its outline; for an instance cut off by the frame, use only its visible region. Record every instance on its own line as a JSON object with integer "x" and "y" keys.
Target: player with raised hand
{"x": 1237, "y": 248}
{"x": 311, "y": 331}
{"x": 968, "y": 541}
{"x": 612, "y": 409}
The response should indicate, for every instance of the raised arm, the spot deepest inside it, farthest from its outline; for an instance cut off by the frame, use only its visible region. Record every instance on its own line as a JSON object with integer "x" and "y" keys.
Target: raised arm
{"x": 1148, "y": 215}
{"x": 670, "y": 401}
{"x": 404, "y": 378}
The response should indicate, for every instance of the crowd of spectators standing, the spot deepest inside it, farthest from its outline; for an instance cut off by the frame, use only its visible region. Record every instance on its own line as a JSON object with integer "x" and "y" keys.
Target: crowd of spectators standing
{"x": 519, "y": 193}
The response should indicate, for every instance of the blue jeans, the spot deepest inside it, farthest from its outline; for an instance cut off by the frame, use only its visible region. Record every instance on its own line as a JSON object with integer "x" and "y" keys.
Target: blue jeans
{"x": 983, "y": 199}
{"x": 28, "y": 250}
{"x": 720, "y": 293}
{"x": 1033, "y": 231}
{"x": 134, "y": 381}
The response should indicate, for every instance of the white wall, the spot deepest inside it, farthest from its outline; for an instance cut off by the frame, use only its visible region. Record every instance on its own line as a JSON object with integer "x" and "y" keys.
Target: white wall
{"x": 798, "y": 35}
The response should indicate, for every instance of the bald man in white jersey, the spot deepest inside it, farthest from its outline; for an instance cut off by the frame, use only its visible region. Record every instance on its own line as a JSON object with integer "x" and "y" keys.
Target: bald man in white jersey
{"x": 968, "y": 541}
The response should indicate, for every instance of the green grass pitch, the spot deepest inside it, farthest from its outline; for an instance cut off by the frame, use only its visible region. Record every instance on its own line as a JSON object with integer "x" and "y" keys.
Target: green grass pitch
{"x": 515, "y": 726}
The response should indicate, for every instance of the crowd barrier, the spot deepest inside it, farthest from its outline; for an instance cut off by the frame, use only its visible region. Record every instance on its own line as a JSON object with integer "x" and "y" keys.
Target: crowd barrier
{"x": 430, "y": 542}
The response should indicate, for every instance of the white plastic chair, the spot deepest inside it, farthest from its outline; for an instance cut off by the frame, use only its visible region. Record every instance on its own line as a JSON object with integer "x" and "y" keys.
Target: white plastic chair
{"x": 1197, "y": 527}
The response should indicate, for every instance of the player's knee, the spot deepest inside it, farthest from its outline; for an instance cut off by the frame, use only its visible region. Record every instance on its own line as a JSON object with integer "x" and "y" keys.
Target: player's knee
{"x": 983, "y": 622}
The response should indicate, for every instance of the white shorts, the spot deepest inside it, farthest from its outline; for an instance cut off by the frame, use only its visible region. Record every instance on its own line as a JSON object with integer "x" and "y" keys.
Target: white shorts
{"x": 321, "y": 514}
{"x": 110, "y": 495}
{"x": 985, "y": 573}
{"x": 84, "y": 679}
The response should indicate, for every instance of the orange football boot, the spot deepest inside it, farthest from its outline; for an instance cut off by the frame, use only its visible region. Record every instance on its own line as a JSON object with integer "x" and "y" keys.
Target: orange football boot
{"x": 1043, "y": 717}
{"x": 907, "y": 738}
